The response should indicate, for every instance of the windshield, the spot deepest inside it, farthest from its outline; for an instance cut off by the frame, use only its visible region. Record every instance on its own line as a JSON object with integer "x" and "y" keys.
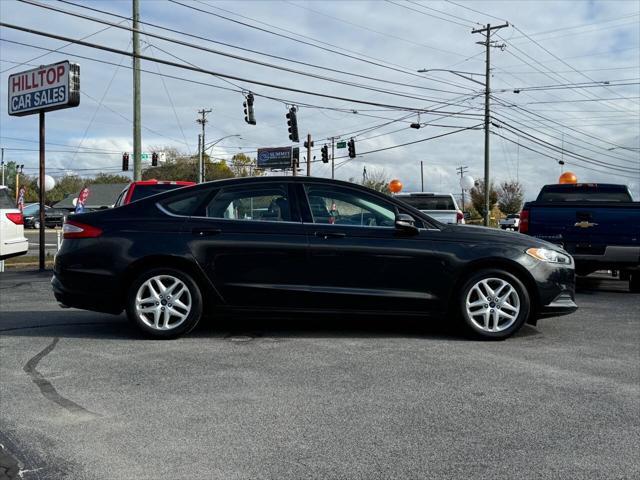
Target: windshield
{"x": 442, "y": 202}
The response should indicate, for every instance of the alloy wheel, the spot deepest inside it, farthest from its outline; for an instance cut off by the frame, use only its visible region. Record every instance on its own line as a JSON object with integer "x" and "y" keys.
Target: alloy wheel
{"x": 492, "y": 305}
{"x": 163, "y": 302}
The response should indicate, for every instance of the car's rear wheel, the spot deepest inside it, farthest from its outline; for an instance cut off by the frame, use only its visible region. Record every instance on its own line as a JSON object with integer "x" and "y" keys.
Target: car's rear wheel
{"x": 164, "y": 303}
{"x": 493, "y": 304}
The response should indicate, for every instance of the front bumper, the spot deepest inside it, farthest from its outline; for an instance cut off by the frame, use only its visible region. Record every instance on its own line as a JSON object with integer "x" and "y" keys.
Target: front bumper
{"x": 563, "y": 304}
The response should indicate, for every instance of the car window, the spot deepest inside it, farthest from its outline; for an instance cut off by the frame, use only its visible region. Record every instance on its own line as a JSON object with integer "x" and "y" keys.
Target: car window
{"x": 252, "y": 202}
{"x": 120, "y": 198}
{"x": 188, "y": 204}
{"x": 144, "y": 191}
{"x": 31, "y": 209}
{"x": 5, "y": 199}
{"x": 343, "y": 206}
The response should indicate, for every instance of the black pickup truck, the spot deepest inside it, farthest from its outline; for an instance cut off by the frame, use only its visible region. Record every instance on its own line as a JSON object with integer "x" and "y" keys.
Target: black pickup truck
{"x": 598, "y": 224}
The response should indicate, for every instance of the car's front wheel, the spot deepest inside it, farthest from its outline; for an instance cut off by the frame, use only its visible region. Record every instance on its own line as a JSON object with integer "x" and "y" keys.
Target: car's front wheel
{"x": 164, "y": 303}
{"x": 493, "y": 304}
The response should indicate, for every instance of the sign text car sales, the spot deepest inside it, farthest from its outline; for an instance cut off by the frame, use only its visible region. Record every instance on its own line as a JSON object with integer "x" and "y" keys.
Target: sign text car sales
{"x": 46, "y": 88}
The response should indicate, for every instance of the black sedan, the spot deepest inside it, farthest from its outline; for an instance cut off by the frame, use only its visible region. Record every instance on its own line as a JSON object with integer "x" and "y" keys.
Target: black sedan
{"x": 302, "y": 244}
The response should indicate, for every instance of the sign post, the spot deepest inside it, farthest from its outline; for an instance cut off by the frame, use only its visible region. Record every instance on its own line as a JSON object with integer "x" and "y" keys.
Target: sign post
{"x": 40, "y": 90}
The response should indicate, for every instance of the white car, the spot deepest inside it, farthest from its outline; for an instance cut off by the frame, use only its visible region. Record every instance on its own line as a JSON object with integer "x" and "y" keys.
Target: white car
{"x": 12, "y": 239}
{"x": 440, "y": 206}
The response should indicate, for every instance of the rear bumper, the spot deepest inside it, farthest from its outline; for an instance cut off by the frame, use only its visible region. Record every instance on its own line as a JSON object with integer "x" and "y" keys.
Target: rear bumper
{"x": 68, "y": 294}
{"x": 13, "y": 248}
{"x": 613, "y": 258}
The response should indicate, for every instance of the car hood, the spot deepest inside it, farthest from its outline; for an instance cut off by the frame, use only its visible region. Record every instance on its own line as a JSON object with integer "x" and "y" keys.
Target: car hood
{"x": 497, "y": 235}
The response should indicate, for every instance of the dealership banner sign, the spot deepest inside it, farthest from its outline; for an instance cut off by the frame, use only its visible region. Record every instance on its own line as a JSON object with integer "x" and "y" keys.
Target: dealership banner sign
{"x": 46, "y": 88}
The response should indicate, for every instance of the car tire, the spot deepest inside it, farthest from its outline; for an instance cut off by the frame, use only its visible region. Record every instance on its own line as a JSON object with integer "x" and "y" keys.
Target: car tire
{"x": 36, "y": 225}
{"x": 164, "y": 303}
{"x": 634, "y": 282}
{"x": 493, "y": 304}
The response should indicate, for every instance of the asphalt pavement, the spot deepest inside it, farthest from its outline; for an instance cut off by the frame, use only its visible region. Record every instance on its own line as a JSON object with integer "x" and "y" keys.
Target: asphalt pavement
{"x": 84, "y": 396}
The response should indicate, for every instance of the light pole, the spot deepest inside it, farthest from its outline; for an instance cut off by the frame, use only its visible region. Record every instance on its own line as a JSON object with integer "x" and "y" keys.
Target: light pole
{"x": 210, "y": 146}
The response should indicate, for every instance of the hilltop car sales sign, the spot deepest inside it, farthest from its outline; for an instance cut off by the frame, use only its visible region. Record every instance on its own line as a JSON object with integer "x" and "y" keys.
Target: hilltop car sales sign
{"x": 50, "y": 87}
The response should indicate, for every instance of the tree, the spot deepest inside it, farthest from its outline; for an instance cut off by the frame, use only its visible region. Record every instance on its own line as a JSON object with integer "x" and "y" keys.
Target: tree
{"x": 186, "y": 169}
{"x": 64, "y": 186}
{"x": 510, "y": 197}
{"x": 376, "y": 179}
{"x": 477, "y": 197}
{"x": 108, "y": 178}
{"x": 244, "y": 166}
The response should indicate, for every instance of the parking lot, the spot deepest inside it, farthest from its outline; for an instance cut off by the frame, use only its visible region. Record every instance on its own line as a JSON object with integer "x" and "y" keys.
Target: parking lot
{"x": 84, "y": 396}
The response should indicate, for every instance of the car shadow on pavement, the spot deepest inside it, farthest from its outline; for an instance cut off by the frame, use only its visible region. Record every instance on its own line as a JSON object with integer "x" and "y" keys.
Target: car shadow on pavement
{"x": 80, "y": 324}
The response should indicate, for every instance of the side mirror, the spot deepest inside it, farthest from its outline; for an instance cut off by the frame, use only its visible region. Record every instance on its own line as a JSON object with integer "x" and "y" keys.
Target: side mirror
{"x": 406, "y": 224}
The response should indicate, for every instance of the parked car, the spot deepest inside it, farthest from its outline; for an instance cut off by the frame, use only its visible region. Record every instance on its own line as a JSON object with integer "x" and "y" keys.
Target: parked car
{"x": 53, "y": 217}
{"x": 145, "y": 188}
{"x": 511, "y": 222}
{"x": 303, "y": 244}
{"x": 12, "y": 240}
{"x": 597, "y": 223}
{"x": 440, "y": 206}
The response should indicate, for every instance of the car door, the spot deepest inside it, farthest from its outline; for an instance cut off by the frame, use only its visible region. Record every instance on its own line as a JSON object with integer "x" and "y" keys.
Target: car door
{"x": 251, "y": 243}
{"x": 358, "y": 258}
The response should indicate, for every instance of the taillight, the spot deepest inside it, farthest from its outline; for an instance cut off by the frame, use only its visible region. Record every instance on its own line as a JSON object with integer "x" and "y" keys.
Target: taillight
{"x": 459, "y": 217}
{"x": 523, "y": 226}
{"x": 16, "y": 218}
{"x": 73, "y": 229}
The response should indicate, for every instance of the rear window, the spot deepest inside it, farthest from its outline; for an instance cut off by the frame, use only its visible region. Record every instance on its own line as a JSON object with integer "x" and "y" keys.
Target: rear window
{"x": 6, "y": 200}
{"x": 144, "y": 191}
{"x": 584, "y": 193}
{"x": 443, "y": 202}
{"x": 190, "y": 203}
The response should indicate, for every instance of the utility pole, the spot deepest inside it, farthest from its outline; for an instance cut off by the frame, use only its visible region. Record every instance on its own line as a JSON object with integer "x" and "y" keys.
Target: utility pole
{"x": 422, "y": 176}
{"x": 137, "y": 133}
{"x": 200, "y": 158}
{"x": 309, "y": 144}
{"x": 2, "y": 163}
{"x": 487, "y": 114}
{"x": 202, "y": 121}
{"x": 462, "y": 170}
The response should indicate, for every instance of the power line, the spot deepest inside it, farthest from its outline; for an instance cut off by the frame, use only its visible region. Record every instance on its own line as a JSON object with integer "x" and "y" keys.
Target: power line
{"x": 555, "y": 159}
{"x": 297, "y": 38}
{"x": 465, "y": 25}
{"x": 212, "y": 73}
{"x": 233, "y": 56}
{"x": 207, "y": 39}
{"x": 583, "y": 100}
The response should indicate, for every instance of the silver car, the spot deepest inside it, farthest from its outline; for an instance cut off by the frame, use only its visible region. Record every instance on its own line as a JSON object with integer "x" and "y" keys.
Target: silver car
{"x": 440, "y": 206}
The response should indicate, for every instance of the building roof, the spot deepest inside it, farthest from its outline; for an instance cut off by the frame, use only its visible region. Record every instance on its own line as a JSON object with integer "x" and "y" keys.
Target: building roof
{"x": 101, "y": 195}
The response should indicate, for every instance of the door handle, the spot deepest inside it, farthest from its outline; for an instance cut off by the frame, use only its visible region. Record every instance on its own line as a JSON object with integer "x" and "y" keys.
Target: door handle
{"x": 327, "y": 235}
{"x": 206, "y": 232}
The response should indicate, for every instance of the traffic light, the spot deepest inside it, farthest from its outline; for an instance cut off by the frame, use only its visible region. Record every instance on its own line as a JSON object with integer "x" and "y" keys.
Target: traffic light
{"x": 154, "y": 159}
{"x": 292, "y": 121}
{"x": 325, "y": 154}
{"x": 351, "y": 145}
{"x": 125, "y": 162}
{"x": 249, "y": 114}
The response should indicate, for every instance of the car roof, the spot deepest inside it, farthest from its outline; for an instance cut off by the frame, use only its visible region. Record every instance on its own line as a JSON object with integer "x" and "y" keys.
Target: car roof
{"x": 423, "y": 194}
{"x": 153, "y": 181}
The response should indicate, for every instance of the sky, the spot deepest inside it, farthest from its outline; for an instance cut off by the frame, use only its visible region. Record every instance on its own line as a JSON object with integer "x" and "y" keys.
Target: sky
{"x": 368, "y": 54}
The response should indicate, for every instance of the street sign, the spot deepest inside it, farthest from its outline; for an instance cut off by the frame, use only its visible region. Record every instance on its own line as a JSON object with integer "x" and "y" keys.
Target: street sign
{"x": 341, "y": 144}
{"x": 275, "y": 158}
{"x": 46, "y": 88}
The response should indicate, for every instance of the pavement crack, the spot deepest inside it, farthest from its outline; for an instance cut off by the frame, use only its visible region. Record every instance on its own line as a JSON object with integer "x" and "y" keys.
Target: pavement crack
{"x": 46, "y": 387}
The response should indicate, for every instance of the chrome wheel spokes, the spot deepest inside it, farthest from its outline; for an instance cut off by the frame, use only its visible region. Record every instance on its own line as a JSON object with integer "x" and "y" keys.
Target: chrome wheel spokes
{"x": 492, "y": 304}
{"x": 163, "y": 302}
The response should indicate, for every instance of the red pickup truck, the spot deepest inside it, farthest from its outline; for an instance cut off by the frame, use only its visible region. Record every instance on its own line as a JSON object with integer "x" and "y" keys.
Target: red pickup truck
{"x": 145, "y": 188}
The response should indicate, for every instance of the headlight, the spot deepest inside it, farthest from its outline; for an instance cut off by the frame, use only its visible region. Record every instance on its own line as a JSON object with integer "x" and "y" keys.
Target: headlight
{"x": 551, "y": 256}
